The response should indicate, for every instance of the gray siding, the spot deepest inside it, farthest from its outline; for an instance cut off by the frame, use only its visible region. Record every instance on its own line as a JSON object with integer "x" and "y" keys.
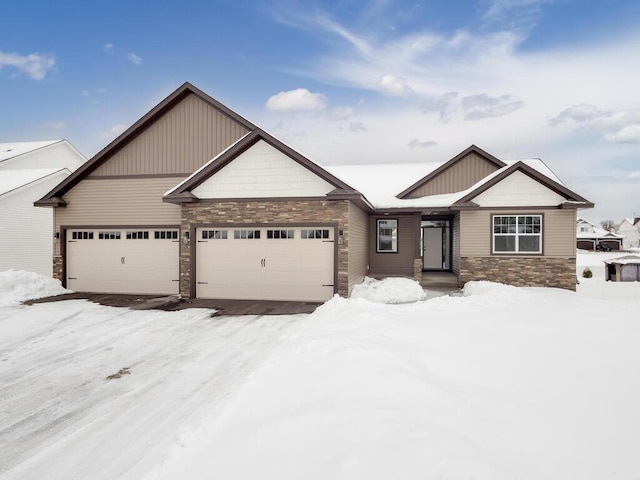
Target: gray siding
{"x": 126, "y": 201}
{"x": 400, "y": 263}
{"x": 358, "y": 238}
{"x": 181, "y": 141}
{"x": 558, "y": 237}
{"x": 460, "y": 176}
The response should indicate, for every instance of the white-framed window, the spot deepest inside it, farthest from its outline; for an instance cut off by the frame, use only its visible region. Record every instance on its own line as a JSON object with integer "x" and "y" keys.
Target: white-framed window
{"x": 279, "y": 234}
{"x": 387, "y": 234}
{"x": 112, "y": 235}
{"x": 144, "y": 235}
{"x": 165, "y": 235}
{"x": 517, "y": 234}
{"x": 82, "y": 235}
{"x": 309, "y": 234}
{"x": 214, "y": 234}
{"x": 246, "y": 234}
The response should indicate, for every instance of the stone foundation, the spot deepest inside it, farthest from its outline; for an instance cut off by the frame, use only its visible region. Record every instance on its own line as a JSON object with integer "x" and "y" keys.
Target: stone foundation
{"x": 521, "y": 271}
{"x": 57, "y": 268}
{"x": 317, "y": 212}
{"x": 417, "y": 269}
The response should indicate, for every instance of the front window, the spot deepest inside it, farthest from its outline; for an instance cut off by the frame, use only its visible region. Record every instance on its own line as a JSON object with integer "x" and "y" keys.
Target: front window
{"x": 517, "y": 234}
{"x": 387, "y": 235}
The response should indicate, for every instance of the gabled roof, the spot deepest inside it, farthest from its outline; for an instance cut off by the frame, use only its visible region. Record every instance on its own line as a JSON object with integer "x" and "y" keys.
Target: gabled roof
{"x": 54, "y": 197}
{"x": 447, "y": 165}
{"x": 573, "y": 199}
{"x": 15, "y": 149}
{"x": 11, "y": 180}
{"x": 182, "y": 192}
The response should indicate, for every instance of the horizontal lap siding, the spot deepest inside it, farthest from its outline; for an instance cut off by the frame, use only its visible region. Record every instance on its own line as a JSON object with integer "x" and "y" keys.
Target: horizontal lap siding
{"x": 558, "y": 231}
{"x": 185, "y": 138}
{"x": 400, "y": 263}
{"x": 130, "y": 201}
{"x": 357, "y": 239}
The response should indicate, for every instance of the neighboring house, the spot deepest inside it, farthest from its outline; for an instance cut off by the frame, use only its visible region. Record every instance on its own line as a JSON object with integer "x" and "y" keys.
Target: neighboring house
{"x": 592, "y": 237}
{"x": 630, "y": 229}
{"x": 196, "y": 200}
{"x": 28, "y": 170}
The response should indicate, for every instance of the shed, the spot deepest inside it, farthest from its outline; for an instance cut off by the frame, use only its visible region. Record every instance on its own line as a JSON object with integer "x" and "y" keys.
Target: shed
{"x": 623, "y": 269}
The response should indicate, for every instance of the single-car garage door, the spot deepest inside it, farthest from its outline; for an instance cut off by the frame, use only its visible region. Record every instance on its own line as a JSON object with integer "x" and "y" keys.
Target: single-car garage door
{"x": 136, "y": 261}
{"x": 266, "y": 263}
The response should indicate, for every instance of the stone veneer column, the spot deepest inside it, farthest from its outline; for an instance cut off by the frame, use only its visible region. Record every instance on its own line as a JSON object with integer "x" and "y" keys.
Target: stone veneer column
{"x": 417, "y": 269}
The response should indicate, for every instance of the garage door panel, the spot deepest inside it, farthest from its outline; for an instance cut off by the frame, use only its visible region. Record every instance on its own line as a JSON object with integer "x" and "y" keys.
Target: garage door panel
{"x": 105, "y": 263}
{"x": 279, "y": 265}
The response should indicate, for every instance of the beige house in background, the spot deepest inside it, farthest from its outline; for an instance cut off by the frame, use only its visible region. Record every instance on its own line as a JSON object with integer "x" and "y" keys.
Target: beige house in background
{"x": 195, "y": 200}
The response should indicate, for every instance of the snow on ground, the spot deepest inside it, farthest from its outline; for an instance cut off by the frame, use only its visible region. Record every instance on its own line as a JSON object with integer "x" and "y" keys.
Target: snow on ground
{"x": 499, "y": 383}
{"x": 389, "y": 290}
{"x": 596, "y": 286}
{"x": 17, "y": 286}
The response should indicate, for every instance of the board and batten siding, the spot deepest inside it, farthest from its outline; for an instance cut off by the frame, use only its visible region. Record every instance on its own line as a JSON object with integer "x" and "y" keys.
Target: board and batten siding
{"x": 180, "y": 142}
{"x": 26, "y": 236}
{"x": 124, "y": 201}
{"x": 459, "y": 176}
{"x": 358, "y": 245}
{"x": 263, "y": 171}
{"x": 399, "y": 263}
{"x": 558, "y": 231}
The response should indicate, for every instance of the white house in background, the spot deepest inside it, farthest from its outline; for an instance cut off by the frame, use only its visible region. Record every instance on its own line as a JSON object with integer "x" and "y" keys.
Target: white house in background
{"x": 590, "y": 236}
{"x": 630, "y": 228}
{"x": 28, "y": 170}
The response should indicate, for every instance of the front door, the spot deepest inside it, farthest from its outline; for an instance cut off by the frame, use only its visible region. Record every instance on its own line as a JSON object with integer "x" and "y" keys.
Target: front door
{"x": 436, "y": 240}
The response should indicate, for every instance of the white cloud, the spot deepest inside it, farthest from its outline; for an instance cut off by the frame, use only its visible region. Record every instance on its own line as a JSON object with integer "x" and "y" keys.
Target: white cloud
{"x": 581, "y": 114}
{"x": 445, "y": 106}
{"x": 421, "y": 143}
{"x": 296, "y": 100}
{"x": 115, "y": 130}
{"x": 481, "y": 106}
{"x": 108, "y": 47}
{"x": 133, "y": 58}
{"x": 358, "y": 127}
{"x": 340, "y": 113}
{"x": 633, "y": 175}
{"x": 628, "y": 134}
{"x": 394, "y": 86}
{"x": 34, "y": 65}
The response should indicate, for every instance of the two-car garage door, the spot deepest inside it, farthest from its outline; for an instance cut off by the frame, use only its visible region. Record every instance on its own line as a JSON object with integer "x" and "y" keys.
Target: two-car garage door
{"x": 267, "y": 263}
{"x": 137, "y": 261}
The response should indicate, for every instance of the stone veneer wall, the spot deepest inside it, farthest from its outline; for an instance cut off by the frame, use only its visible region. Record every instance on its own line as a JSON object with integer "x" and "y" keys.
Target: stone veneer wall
{"x": 266, "y": 212}
{"x": 57, "y": 268}
{"x": 521, "y": 271}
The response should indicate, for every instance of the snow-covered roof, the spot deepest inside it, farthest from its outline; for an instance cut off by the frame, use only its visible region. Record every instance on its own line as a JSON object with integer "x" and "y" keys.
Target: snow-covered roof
{"x": 11, "y": 150}
{"x": 381, "y": 183}
{"x": 13, "y": 179}
{"x": 626, "y": 260}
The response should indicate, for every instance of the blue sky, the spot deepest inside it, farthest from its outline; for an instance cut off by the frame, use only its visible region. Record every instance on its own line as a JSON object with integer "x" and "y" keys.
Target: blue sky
{"x": 348, "y": 82}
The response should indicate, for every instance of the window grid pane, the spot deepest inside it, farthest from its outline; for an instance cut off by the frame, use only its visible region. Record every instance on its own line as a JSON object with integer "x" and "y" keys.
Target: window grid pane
{"x": 517, "y": 233}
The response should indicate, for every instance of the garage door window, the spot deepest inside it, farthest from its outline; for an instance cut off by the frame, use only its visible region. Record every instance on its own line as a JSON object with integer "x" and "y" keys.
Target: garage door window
{"x": 246, "y": 234}
{"x": 279, "y": 234}
{"x": 108, "y": 235}
{"x": 318, "y": 233}
{"x": 137, "y": 235}
{"x": 82, "y": 235}
{"x": 166, "y": 235}
{"x": 214, "y": 234}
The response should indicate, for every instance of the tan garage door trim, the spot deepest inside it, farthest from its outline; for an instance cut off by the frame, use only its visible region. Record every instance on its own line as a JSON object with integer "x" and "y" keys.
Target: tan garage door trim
{"x": 193, "y": 244}
{"x": 65, "y": 228}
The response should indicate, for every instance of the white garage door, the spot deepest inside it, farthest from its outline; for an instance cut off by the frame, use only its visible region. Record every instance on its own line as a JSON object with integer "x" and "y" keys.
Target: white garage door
{"x": 265, "y": 263}
{"x": 136, "y": 261}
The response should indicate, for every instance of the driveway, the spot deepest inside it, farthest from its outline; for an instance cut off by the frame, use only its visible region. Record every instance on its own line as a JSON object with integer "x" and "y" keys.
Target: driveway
{"x": 107, "y": 383}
